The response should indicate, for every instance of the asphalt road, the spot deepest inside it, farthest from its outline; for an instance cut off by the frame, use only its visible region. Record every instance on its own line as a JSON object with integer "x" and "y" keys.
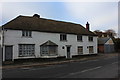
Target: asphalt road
{"x": 98, "y": 68}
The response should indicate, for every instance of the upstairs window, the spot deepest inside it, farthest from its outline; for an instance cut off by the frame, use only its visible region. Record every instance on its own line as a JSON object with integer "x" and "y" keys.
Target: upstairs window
{"x": 79, "y": 38}
{"x": 26, "y": 33}
{"x": 90, "y": 38}
{"x": 63, "y": 37}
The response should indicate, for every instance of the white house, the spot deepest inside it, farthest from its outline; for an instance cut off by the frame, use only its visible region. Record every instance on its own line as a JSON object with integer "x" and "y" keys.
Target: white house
{"x": 35, "y": 37}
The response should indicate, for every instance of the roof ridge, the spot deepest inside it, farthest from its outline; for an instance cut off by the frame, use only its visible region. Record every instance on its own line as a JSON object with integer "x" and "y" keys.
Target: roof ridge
{"x": 51, "y": 20}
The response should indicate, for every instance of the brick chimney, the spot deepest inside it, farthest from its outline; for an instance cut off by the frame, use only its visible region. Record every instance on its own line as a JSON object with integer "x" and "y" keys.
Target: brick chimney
{"x": 87, "y": 26}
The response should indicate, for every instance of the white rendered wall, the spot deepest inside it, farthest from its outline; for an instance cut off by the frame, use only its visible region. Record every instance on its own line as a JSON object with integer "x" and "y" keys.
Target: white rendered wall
{"x": 14, "y": 37}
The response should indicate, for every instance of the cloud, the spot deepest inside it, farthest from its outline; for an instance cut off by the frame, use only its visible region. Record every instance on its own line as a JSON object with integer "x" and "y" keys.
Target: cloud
{"x": 100, "y": 15}
{"x": 10, "y": 10}
{"x": 107, "y": 20}
{"x": 59, "y": 0}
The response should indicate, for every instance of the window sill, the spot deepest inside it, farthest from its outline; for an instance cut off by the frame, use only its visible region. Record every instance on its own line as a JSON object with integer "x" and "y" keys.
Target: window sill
{"x": 63, "y": 40}
{"x": 25, "y": 37}
{"x": 27, "y": 56}
{"x": 48, "y": 56}
{"x": 79, "y": 41}
{"x": 91, "y": 41}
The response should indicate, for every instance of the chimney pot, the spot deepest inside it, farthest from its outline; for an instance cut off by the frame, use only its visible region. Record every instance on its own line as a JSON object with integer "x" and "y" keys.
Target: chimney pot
{"x": 36, "y": 15}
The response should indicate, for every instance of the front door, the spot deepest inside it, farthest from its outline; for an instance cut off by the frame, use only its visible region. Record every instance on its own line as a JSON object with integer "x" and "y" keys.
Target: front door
{"x": 8, "y": 53}
{"x": 68, "y": 51}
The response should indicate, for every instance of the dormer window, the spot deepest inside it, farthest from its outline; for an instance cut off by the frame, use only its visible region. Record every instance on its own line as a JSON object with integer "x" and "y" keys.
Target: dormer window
{"x": 26, "y": 33}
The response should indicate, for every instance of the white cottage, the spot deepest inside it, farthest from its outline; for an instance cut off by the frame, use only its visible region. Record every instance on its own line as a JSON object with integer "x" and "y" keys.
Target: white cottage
{"x": 35, "y": 37}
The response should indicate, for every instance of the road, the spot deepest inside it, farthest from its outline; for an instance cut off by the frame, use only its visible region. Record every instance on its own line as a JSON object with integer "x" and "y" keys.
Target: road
{"x": 97, "y": 68}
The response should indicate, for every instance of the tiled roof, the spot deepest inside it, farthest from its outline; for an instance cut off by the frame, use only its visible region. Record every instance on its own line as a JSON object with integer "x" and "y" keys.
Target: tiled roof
{"x": 103, "y": 40}
{"x": 49, "y": 43}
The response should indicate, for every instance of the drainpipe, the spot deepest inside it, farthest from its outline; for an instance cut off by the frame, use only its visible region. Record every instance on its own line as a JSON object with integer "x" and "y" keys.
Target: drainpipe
{"x": 2, "y": 44}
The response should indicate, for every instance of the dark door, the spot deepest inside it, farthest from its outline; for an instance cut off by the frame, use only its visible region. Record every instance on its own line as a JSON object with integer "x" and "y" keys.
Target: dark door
{"x": 8, "y": 52}
{"x": 68, "y": 52}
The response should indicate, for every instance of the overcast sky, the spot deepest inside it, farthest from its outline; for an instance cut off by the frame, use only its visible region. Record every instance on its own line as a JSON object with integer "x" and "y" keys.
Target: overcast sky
{"x": 100, "y": 15}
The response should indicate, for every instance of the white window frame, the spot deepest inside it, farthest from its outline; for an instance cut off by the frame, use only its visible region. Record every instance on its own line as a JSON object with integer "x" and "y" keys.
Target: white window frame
{"x": 91, "y": 49}
{"x": 79, "y": 38}
{"x": 63, "y": 37}
{"x": 90, "y": 38}
{"x": 26, "y": 33}
{"x": 46, "y": 50}
{"x": 80, "y": 49}
{"x": 26, "y": 50}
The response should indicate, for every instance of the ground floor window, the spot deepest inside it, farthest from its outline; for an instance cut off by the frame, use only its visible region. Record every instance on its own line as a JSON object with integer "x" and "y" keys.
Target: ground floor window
{"x": 80, "y": 49}
{"x": 26, "y": 49}
{"x": 91, "y": 50}
{"x": 48, "y": 50}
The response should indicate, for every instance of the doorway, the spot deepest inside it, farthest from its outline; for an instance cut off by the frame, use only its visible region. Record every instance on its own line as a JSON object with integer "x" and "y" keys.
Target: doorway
{"x": 68, "y": 51}
{"x": 8, "y": 53}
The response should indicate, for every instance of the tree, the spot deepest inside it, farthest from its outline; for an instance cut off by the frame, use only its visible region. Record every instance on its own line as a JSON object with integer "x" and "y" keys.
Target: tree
{"x": 97, "y": 31}
{"x": 117, "y": 44}
{"x": 110, "y": 32}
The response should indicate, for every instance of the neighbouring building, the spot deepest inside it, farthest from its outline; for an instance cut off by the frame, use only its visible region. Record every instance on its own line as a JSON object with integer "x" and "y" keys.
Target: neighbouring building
{"x": 105, "y": 43}
{"x": 36, "y": 37}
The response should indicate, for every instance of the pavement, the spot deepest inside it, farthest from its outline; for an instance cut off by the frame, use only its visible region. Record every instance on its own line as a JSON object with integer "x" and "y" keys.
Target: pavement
{"x": 32, "y": 64}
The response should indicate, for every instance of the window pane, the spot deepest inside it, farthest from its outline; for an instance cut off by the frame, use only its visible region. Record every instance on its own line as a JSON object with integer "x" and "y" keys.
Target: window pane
{"x": 79, "y": 37}
{"x": 48, "y": 50}
{"x": 91, "y": 49}
{"x": 26, "y": 33}
{"x": 80, "y": 49}
{"x": 90, "y": 38}
{"x": 23, "y": 33}
{"x": 63, "y": 37}
{"x": 30, "y": 33}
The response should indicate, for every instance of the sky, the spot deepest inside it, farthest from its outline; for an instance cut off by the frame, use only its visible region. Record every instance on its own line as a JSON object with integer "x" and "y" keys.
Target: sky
{"x": 102, "y": 15}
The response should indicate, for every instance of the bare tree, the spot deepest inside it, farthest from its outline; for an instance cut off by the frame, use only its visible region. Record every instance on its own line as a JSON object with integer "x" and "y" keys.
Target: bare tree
{"x": 111, "y": 32}
{"x": 97, "y": 31}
